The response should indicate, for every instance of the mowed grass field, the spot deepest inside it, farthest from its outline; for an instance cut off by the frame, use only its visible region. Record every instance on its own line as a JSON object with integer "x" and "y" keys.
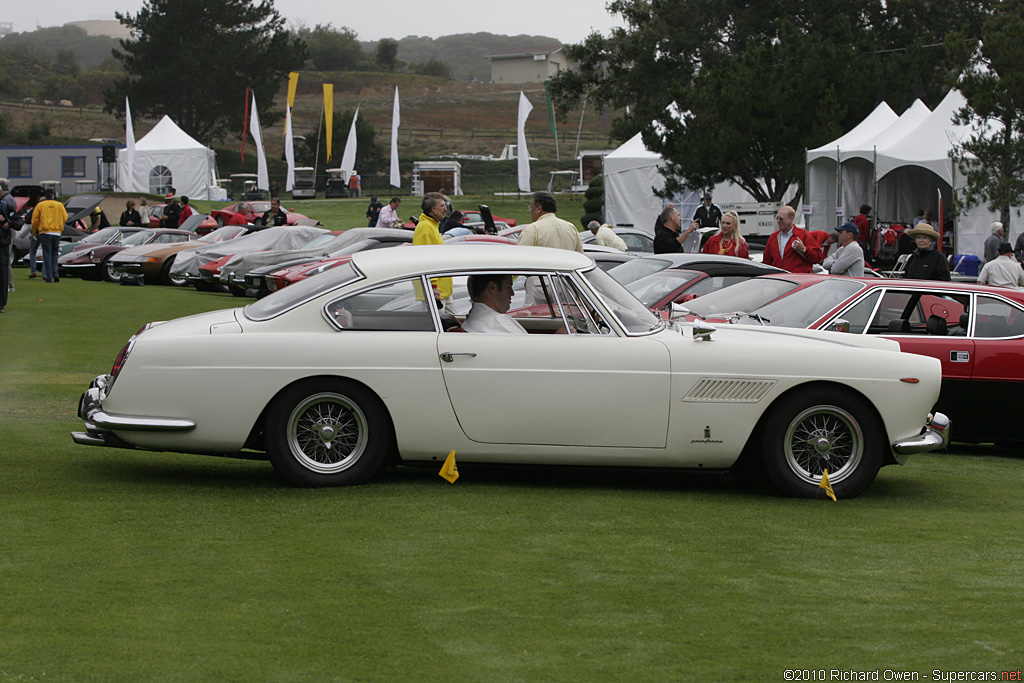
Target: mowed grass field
{"x": 122, "y": 566}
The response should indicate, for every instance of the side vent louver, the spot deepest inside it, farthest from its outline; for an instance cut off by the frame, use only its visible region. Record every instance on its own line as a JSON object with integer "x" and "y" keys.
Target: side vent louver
{"x": 729, "y": 390}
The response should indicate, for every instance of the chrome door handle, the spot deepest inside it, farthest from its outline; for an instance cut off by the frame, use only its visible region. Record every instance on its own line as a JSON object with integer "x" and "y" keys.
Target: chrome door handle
{"x": 448, "y": 357}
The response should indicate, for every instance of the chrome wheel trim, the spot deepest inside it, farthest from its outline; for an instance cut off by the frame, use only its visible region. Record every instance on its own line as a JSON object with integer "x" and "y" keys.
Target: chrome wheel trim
{"x": 327, "y": 433}
{"x": 112, "y": 275}
{"x": 823, "y": 437}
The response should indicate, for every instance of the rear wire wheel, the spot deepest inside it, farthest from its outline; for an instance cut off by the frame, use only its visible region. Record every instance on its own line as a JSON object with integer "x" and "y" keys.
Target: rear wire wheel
{"x": 327, "y": 433}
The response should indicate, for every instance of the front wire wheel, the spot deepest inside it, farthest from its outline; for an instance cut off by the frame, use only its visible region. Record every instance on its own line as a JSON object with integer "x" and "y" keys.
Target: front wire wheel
{"x": 821, "y": 429}
{"x": 327, "y": 433}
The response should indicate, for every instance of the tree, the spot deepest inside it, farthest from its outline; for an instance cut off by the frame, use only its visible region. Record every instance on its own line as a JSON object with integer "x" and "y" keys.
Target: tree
{"x": 192, "y": 60}
{"x": 387, "y": 54}
{"x": 735, "y": 90}
{"x": 332, "y": 49}
{"x": 370, "y": 156}
{"x": 993, "y": 85}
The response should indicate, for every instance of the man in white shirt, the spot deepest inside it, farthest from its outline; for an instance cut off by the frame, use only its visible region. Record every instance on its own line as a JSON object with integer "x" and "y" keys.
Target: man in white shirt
{"x": 492, "y": 297}
{"x": 1003, "y": 271}
{"x": 605, "y": 236}
{"x": 547, "y": 230}
{"x": 388, "y": 217}
{"x": 848, "y": 258}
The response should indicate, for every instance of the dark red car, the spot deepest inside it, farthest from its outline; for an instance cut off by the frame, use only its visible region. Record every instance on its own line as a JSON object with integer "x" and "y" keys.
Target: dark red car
{"x": 976, "y": 332}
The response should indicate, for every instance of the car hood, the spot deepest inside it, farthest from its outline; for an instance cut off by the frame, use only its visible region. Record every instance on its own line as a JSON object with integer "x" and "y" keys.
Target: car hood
{"x": 161, "y": 250}
{"x": 793, "y": 337}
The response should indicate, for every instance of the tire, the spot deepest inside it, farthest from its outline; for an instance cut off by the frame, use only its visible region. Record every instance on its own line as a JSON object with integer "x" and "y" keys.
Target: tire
{"x": 108, "y": 273}
{"x": 165, "y": 275}
{"x": 327, "y": 433}
{"x": 818, "y": 429}
{"x": 237, "y": 291}
{"x": 220, "y": 221}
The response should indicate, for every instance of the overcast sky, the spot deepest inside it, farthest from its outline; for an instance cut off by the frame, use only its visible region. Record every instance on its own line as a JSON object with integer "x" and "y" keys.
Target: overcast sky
{"x": 568, "y": 21}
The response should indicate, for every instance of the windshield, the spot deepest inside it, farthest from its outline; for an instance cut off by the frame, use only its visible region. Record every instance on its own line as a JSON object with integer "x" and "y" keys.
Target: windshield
{"x": 321, "y": 240}
{"x": 136, "y": 238}
{"x": 803, "y": 307}
{"x": 632, "y": 271}
{"x": 293, "y": 295}
{"x": 103, "y": 236}
{"x": 653, "y": 288}
{"x": 225, "y": 233}
{"x": 741, "y": 297}
{"x": 634, "y": 316}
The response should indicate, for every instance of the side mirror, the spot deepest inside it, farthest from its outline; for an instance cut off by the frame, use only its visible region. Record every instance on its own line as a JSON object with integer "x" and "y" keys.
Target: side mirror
{"x": 702, "y": 331}
{"x": 839, "y": 325}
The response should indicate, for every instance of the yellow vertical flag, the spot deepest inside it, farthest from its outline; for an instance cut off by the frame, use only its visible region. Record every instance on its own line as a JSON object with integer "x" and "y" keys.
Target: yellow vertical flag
{"x": 329, "y": 116}
{"x": 449, "y": 470}
{"x": 293, "y": 83}
{"x": 824, "y": 485}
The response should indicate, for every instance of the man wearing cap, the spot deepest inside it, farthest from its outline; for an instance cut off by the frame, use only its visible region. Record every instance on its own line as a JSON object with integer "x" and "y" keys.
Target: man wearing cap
{"x": 926, "y": 262}
{"x": 1003, "y": 271}
{"x": 708, "y": 214}
{"x": 848, "y": 258}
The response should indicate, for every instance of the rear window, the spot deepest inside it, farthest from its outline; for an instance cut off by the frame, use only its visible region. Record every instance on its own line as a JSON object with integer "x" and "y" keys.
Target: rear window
{"x": 310, "y": 288}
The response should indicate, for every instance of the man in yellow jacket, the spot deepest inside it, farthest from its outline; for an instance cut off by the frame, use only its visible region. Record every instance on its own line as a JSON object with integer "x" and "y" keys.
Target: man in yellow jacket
{"x": 428, "y": 232}
{"x": 48, "y": 219}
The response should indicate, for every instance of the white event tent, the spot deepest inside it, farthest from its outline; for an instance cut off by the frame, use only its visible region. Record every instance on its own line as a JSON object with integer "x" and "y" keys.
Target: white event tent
{"x": 907, "y": 167}
{"x": 168, "y": 157}
{"x": 632, "y": 173}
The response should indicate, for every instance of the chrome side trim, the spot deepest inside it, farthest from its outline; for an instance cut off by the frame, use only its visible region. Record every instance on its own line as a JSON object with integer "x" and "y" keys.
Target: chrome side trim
{"x": 98, "y": 422}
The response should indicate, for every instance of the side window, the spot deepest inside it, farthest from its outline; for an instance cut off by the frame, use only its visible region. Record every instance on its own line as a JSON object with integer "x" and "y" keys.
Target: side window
{"x": 373, "y": 309}
{"x": 636, "y": 242}
{"x": 893, "y": 306}
{"x": 994, "y": 318}
{"x": 715, "y": 283}
{"x": 582, "y": 316}
{"x": 859, "y": 314}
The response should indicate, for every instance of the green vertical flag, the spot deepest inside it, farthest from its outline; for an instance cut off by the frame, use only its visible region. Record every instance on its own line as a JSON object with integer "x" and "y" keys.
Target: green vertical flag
{"x": 551, "y": 118}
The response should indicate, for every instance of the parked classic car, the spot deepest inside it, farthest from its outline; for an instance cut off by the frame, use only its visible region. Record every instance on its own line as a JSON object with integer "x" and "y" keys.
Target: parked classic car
{"x": 331, "y": 383}
{"x": 154, "y": 261}
{"x": 186, "y": 265}
{"x": 91, "y": 260}
{"x": 976, "y": 332}
{"x": 637, "y": 241}
{"x": 224, "y": 214}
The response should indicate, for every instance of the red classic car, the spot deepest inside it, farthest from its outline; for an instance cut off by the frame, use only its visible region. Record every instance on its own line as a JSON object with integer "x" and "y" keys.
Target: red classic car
{"x": 224, "y": 214}
{"x": 976, "y": 332}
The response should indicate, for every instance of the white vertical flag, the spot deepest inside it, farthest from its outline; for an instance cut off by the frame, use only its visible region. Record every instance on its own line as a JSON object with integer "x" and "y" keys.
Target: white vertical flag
{"x": 289, "y": 150}
{"x": 262, "y": 177}
{"x": 348, "y": 157}
{"x": 128, "y": 184}
{"x": 396, "y": 175}
{"x": 521, "y": 152}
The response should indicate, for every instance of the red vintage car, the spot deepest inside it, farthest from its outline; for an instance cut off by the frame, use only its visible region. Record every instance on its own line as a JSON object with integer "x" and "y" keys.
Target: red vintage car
{"x": 224, "y": 215}
{"x": 976, "y": 332}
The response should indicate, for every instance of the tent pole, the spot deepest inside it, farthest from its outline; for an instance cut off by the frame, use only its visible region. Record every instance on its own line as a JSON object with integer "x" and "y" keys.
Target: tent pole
{"x": 580, "y": 129}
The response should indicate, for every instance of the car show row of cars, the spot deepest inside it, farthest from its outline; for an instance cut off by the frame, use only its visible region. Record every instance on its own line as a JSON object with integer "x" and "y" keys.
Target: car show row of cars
{"x": 717, "y": 363}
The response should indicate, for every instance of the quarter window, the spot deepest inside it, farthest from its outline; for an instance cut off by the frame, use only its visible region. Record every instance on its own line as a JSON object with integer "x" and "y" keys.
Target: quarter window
{"x": 995, "y": 318}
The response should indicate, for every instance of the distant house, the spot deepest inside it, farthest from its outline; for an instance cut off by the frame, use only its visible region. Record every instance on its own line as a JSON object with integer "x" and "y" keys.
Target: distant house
{"x": 69, "y": 169}
{"x": 526, "y": 65}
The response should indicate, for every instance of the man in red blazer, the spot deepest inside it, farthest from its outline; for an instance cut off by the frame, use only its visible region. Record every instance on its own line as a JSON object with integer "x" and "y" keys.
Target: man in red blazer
{"x": 790, "y": 247}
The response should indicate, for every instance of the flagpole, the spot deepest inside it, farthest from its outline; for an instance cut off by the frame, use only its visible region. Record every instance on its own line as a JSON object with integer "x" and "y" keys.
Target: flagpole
{"x": 316, "y": 158}
{"x": 580, "y": 129}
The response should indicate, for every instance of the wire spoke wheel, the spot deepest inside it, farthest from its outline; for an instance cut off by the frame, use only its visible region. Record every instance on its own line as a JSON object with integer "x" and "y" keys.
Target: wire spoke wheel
{"x": 820, "y": 438}
{"x": 327, "y": 432}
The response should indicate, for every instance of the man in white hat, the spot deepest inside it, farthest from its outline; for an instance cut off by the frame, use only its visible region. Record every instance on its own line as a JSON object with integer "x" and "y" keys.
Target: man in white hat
{"x": 926, "y": 262}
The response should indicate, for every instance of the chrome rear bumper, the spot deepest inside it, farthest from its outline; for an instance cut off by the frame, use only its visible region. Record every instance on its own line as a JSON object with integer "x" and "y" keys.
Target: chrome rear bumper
{"x": 100, "y": 425}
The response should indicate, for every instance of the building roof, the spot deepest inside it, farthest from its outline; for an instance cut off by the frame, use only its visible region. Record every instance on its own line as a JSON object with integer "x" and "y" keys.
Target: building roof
{"x": 514, "y": 52}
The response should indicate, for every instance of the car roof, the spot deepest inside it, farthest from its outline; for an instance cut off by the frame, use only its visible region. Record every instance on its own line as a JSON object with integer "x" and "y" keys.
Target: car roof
{"x": 689, "y": 260}
{"x": 388, "y": 263}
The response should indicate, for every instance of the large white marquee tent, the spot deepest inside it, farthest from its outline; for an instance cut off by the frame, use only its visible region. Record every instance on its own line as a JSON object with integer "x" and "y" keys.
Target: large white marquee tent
{"x": 632, "y": 173}
{"x": 904, "y": 167}
{"x": 169, "y": 157}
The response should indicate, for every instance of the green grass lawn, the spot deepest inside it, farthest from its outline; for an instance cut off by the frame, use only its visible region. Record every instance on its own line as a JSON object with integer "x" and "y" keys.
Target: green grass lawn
{"x": 339, "y": 214}
{"x": 124, "y": 566}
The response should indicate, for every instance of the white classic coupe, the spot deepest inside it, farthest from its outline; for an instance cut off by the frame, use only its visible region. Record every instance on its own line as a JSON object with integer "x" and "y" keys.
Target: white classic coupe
{"x": 335, "y": 377}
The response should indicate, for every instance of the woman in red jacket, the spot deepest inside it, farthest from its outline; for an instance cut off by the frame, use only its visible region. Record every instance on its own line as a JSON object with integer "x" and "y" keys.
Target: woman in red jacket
{"x": 728, "y": 241}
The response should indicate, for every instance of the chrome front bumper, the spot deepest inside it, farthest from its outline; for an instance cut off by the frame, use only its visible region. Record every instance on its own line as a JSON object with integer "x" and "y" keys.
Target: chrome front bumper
{"x": 935, "y": 435}
{"x": 100, "y": 425}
